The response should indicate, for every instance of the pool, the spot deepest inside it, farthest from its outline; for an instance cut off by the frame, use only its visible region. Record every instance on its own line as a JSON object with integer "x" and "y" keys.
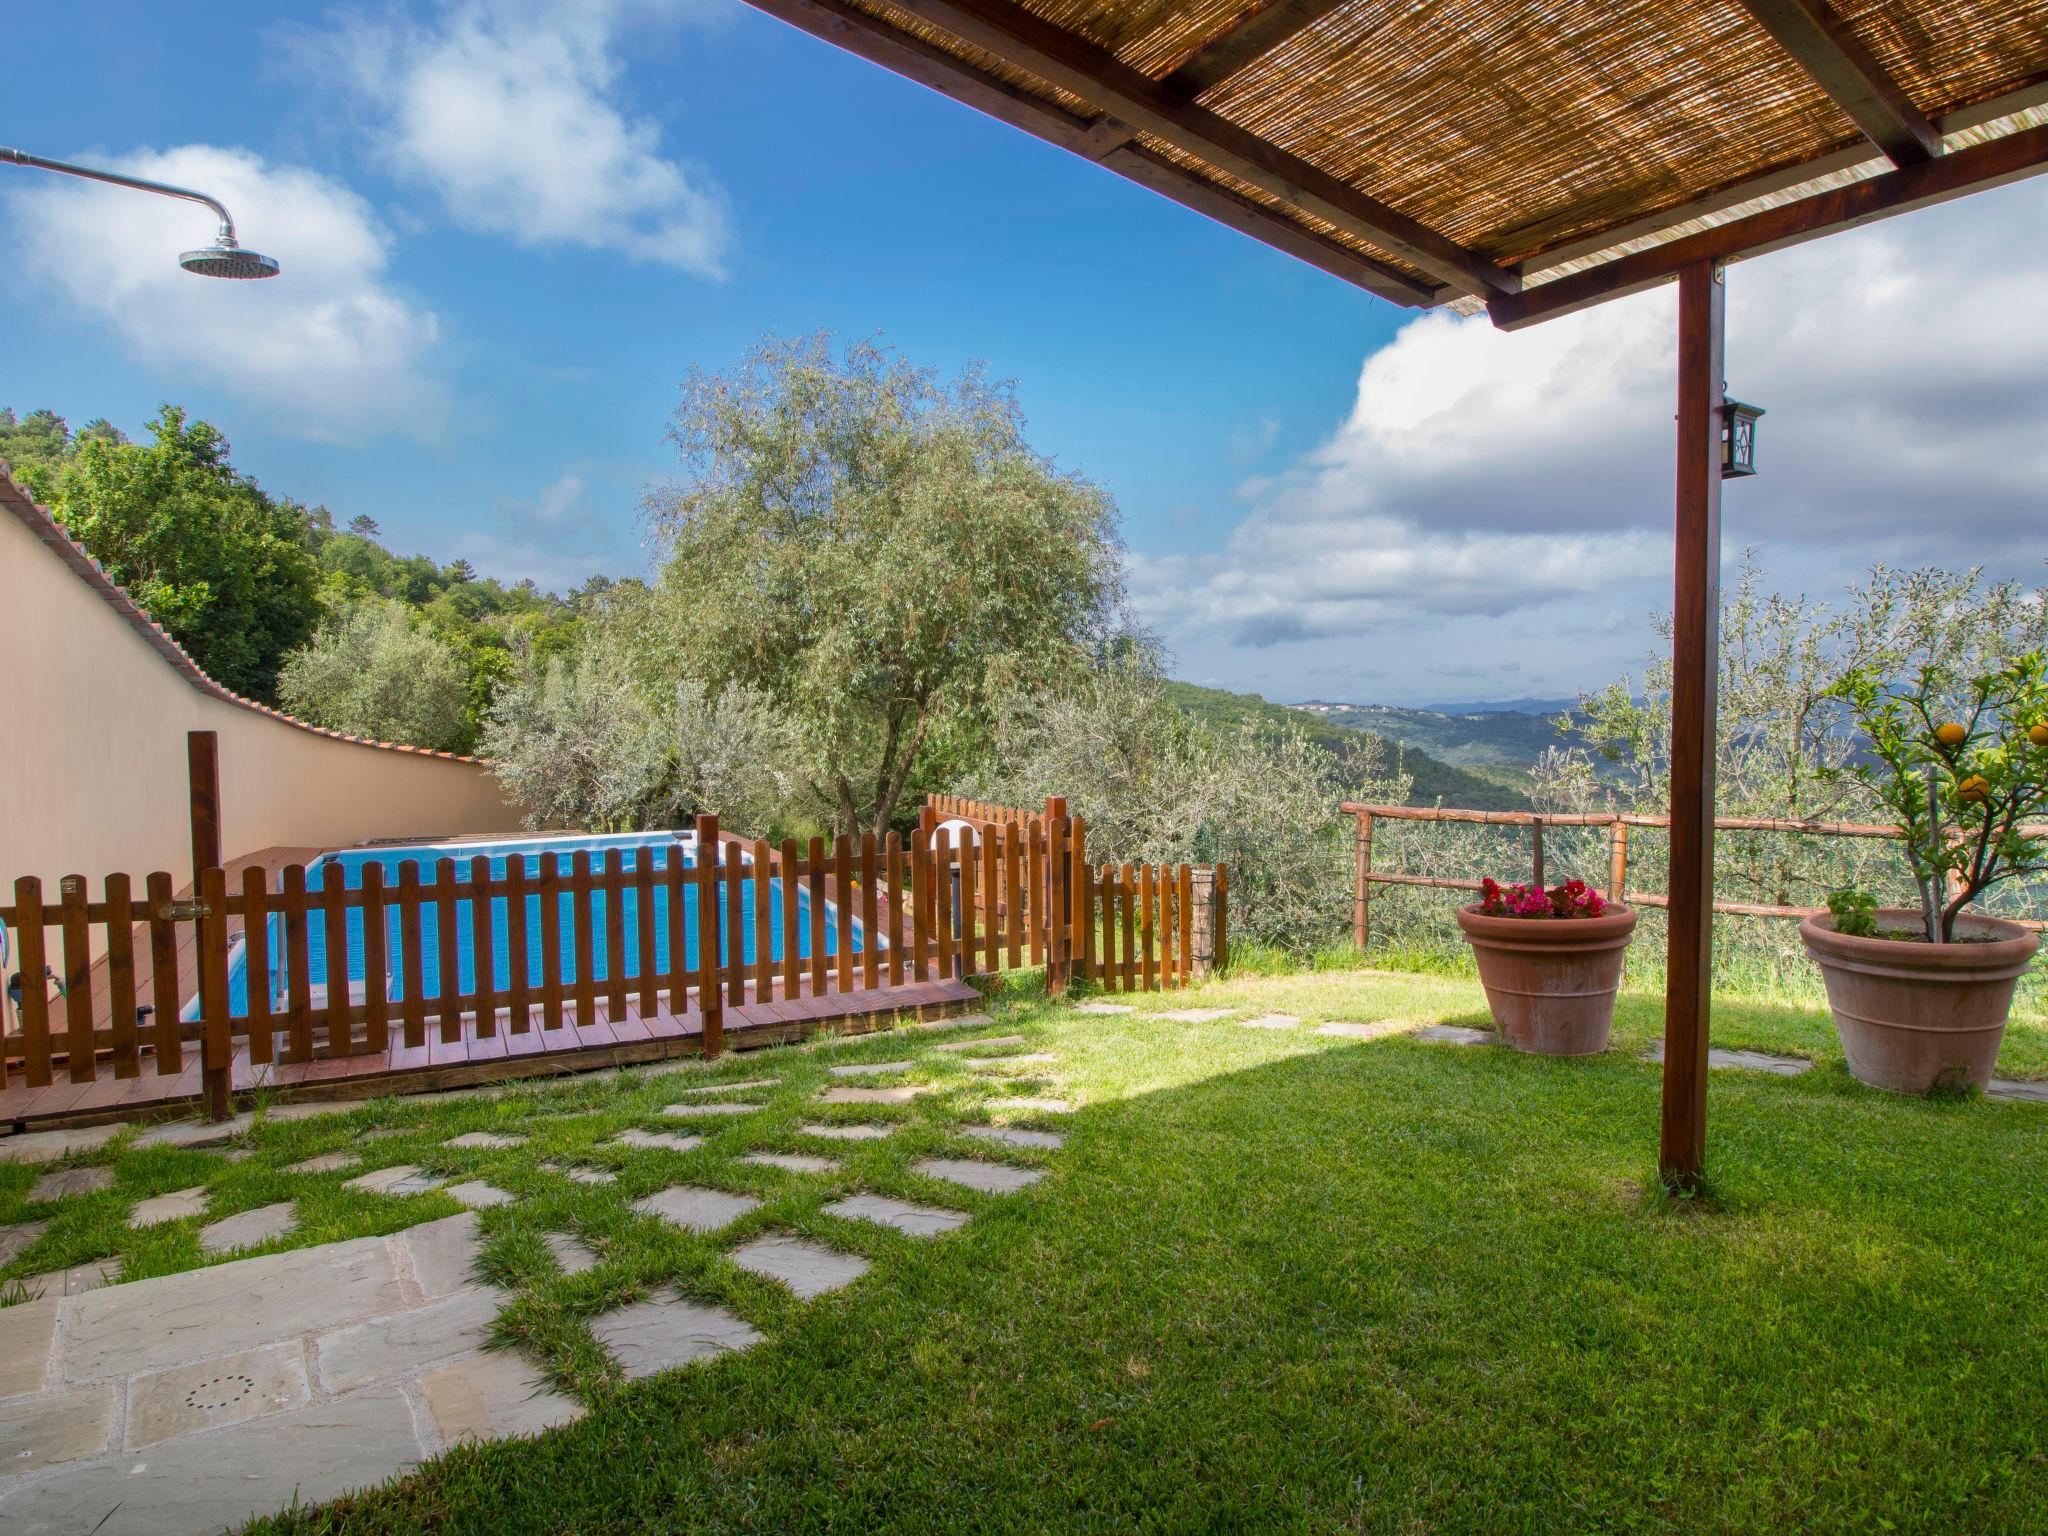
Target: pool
{"x": 658, "y": 848}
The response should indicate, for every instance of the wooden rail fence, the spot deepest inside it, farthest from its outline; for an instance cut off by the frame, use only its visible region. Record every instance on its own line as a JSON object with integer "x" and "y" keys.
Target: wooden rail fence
{"x": 1617, "y": 824}
{"x": 310, "y": 968}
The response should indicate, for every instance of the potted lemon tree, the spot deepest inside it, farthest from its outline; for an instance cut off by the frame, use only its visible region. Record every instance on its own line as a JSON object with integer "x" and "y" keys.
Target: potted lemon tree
{"x": 1920, "y": 995}
{"x": 1550, "y": 960}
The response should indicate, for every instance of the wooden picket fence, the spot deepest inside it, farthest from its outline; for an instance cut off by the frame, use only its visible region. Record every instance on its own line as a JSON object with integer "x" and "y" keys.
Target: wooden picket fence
{"x": 1024, "y": 892}
{"x": 1128, "y": 927}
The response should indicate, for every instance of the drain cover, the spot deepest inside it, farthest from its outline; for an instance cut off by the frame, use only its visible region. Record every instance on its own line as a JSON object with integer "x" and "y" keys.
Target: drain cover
{"x": 221, "y": 1392}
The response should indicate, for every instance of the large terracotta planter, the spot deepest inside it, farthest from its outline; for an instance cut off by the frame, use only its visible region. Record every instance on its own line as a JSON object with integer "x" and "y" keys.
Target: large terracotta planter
{"x": 1911, "y": 1016}
{"x": 1550, "y": 981}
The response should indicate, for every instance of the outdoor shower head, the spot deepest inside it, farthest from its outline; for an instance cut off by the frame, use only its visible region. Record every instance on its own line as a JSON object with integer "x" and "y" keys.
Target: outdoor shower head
{"x": 224, "y": 258}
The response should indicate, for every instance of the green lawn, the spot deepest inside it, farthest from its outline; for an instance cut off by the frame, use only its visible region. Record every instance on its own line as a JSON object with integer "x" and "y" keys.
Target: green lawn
{"x": 1274, "y": 1280}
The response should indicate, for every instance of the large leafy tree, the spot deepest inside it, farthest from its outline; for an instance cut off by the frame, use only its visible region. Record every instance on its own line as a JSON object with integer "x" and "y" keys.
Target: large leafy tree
{"x": 878, "y": 553}
{"x": 378, "y": 671}
{"x": 226, "y": 569}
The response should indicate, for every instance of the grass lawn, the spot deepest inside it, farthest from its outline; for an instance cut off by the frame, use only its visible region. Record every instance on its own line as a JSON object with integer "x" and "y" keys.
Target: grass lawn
{"x": 1273, "y": 1281}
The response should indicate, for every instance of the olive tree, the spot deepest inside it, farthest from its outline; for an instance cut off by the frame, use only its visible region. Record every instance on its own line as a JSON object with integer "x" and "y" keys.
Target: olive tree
{"x": 377, "y": 671}
{"x": 876, "y": 553}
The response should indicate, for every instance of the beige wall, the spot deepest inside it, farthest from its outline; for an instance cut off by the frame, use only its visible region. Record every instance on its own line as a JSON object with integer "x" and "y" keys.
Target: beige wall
{"x": 92, "y": 750}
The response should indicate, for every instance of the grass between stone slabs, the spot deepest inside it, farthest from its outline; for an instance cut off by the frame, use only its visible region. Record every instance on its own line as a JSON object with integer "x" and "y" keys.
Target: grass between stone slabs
{"x": 1274, "y": 1280}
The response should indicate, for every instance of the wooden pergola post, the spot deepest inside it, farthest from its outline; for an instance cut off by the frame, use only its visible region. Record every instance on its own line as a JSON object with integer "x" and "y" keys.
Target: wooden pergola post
{"x": 1695, "y": 669}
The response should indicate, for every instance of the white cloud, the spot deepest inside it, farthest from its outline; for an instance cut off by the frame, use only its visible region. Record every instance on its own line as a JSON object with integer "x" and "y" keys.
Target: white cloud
{"x": 327, "y": 347}
{"x": 1525, "y": 478}
{"x": 509, "y": 114}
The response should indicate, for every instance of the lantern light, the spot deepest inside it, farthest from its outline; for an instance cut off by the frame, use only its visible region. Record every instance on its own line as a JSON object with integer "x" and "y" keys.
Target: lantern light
{"x": 1738, "y": 438}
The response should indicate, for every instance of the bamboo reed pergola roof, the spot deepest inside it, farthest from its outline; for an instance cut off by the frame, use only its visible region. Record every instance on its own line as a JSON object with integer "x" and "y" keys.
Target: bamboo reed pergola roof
{"x": 1486, "y": 150}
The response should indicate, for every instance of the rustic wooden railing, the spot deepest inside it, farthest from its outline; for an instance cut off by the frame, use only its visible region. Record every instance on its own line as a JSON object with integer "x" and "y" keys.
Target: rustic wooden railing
{"x": 1617, "y": 824}
{"x": 1024, "y": 890}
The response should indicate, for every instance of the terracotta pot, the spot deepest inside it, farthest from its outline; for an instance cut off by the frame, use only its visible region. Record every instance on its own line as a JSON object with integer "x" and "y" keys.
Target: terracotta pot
{"x": 1550, "y": 981}
{"x": 1914, "y": 1015}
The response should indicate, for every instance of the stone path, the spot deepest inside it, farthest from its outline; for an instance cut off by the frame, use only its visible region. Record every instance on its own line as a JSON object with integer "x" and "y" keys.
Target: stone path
{"x": 1034, "y": 1106}
{"x": 2014, "y": 1088}
{"x": 985, "y": 1043}
{"x": 1457, "y": 1034}
{"x": 871, "y": 1069}
{"x": 1345, "y": 1030}
{"x": 199, "y": 1400}
{"x": 1272, "y": 1021}
{"x": 1744, "y": 1061}
{"x": 1104, "y": 1008}
{"x": 195, "y": 1401}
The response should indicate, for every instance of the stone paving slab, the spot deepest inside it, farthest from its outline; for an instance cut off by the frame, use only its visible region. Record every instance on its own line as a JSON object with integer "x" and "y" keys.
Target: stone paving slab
{"x": 696, "y": 1111}
{"x": 1457, "y": 1034}
{"x": 696, "y": 1209}
{"x": 76, "y": 1280}
{"x": 870, "y": 1069}
{"x": 72, "y": 1181}
{"x": 640, "y": 1138}
{"x": 2015, "y": 1088}
{"x": 28, "y": 1338}
{"x": 442, "y": 1253}
{"x": 398, "y": 1179}
{"x": 38, "y": 1432}
{"x": 493, "y": 1397}
{"x": 208, "y": 1394}
{"x": 1104, "y": 1008}
{"x": 245, "y": 1229}
{"x": 478, "y": 1195}
{"x": 310, "y": 1110}
{"x": 808, "y": 1269}
{"x": 750, "y": 1083}
{"x": 658, "y": 1335}
{"x": 792, "y": 1162}
{"x": 1345, "y": 1030}
{"x": 583, "y": 1175}
{"x": 194, "y": 1134}
{"x": 484, "y": 1139}
{"x": 48, "y": 1146}
{"x": 985, "y": 1043}
{"x": 1012, "y": 1136}
{"x": 175, "y": 1206}
{"x": 1034, "y": 1106}
{"x": 244, "y": 1304}
{"x": 848, "y": 1132}
{"x": 957, "y": 1021}
{"x": 1033, "y": 1059}
{"x": 1272, "y": 1021}
{"x": 989, "y": 1178}
{"x": 19, "y": 1238}
{"x": 1197, "y": 1015}
{"x": 398, "y": 1344}
{"x": 911, "y": 1220}
{"x": 182, "y": 1488}
{"x": 326, "y": 1162}
{"x": 572, "y": 1255}
{"x": 903, "y": 1093}
{"x": 1744, "y": 1061}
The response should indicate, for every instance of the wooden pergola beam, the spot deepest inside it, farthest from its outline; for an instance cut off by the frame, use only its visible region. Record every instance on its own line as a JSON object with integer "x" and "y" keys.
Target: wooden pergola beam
{"x": 1841, "y": 66}
{"x": 1235, "y": 48}
{"x": 845, "y": 26}
{"x": 1026, "y": 41}
{"x": 1994, "y": 163}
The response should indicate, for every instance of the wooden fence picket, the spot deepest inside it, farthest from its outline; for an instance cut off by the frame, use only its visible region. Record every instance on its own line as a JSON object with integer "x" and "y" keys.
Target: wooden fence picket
{"x": 482, "y": 949}
{"x": 298, "y": 962}
{"x": 76, "y": 932}
{"x": 582, "y": 918}
{"x": 551, "y": 1014}
{"x": 898, "y": 930}
{"x": 120, "y": 976}
{"x": 814, "y": 868}
{"x": 518, "y": 956}
{"x": 870, "y": 935}
{"x": 792, "y": 949}
{"x": 842, "y": 911}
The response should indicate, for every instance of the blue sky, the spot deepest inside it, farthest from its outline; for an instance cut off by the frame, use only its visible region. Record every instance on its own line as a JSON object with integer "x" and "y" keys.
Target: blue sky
{"x": 1303, "y": 496}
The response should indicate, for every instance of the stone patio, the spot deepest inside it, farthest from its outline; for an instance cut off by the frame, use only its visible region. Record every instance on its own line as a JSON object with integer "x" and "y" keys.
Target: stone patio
{"x": 301, "y": 1375}
{"x": 911, "y": 1220}
{"x": 989, "y": 1178}
{"x": 808, "y": 1269}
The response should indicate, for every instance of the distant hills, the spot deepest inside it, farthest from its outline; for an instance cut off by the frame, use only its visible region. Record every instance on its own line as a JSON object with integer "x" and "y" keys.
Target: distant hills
{"x": 1492, "y": 778}
{"x": 1496, "y": 741}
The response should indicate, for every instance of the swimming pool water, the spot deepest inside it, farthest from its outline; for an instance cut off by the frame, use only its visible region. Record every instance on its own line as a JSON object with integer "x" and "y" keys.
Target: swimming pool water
{"x": 657, "y": 848}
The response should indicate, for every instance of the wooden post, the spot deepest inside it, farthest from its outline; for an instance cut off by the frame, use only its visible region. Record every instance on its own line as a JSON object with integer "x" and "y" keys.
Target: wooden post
{"x": 1202, "y": 943}
{"x": 1695, "y": 665}
{"x": 202, "y": 770}
{"x": 1058, "y": 913}
{"x": 1536, "y": 851}
{"x": 1361, "y": 903}
{"x": 1617, "y": 860}
{"x": 710, "y": 998}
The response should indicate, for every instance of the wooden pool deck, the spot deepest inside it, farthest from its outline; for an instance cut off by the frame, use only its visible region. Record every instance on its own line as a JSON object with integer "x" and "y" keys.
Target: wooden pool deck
{"x": 501, "y": 1056}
